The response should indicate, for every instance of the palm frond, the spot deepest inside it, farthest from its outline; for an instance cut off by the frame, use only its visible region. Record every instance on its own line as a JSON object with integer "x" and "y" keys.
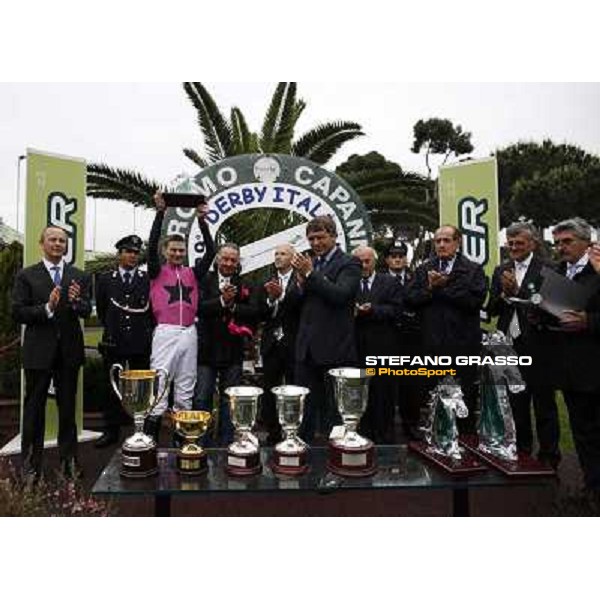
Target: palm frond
{"x": 312, "y": 139}
{"x": 214, "y": 126}
{"x": 269, "y": 128}
{"x": 299, "y": 109}
{"x": 286, "y": 122}
{"x": 240, "y": 133}
{"x": 195, "y": 157}
{"x": 120, "y": 184}
{"x": 325, "y": 149}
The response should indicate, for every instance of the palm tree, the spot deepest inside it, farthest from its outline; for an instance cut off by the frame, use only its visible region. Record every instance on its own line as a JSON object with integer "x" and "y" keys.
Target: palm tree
{"x": 397, "y": 200}
{"x": 224, "y": 137}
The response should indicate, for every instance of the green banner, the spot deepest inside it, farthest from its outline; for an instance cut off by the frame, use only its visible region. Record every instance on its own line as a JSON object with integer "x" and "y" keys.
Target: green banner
{"x": 469, "y": 200}
{"x": 55, "y": 195}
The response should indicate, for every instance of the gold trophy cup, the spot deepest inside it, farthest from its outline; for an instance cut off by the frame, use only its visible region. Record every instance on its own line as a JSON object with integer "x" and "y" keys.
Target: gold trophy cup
{"x": 138, "y": 392}
{"x": 191, "y": 424}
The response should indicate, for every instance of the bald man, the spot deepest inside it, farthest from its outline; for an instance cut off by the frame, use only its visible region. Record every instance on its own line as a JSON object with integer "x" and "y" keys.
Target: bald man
{"x": 280, "y": 311}
{"x": 378, "y": 309}
{"x": 49, "y": 298}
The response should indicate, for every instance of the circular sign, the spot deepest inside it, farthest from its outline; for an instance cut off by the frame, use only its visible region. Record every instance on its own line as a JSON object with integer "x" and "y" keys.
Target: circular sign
{"x": 255, "y": 181}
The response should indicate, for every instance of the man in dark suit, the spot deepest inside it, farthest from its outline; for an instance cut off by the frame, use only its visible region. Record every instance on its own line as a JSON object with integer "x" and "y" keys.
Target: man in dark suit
{"x": 409, "y": 391}
{"x": 378, "y": 308}
{"x": 228, "y": 311}
{"x": 280, "y": 310}
{"x": 49, "y": 298}
{"x": 449, "y": 291}
{"x": 328, "y": 286}
{"x": 573, "y": 347}
{"x": 519, "y": 278}
{"x": 123, "y": 306}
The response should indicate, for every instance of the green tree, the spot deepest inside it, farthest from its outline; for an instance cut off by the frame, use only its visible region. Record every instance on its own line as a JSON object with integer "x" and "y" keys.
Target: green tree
{"x": 440, "y": 136}
{"x": 11, "y": 260}
{"x": 400, "y": 202}
{"x": 547, "y": 182}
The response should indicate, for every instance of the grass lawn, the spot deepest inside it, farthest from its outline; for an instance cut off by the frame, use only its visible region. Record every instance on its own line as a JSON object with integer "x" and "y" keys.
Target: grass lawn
{"x": 91, "y": 336}
{"x": 566, "y": 439}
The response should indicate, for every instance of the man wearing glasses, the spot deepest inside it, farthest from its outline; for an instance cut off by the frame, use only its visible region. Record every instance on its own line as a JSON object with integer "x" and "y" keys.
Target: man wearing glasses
{"x": 575, "y": 342}
{"x": 122, "y": 303}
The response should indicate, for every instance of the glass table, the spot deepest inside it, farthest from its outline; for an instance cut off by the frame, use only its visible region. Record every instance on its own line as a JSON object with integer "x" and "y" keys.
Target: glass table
{"x": 398, "y": 468}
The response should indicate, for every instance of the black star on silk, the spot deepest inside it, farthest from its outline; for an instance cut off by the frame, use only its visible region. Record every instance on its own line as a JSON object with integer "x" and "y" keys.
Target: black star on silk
{"x": 186, "y": 291}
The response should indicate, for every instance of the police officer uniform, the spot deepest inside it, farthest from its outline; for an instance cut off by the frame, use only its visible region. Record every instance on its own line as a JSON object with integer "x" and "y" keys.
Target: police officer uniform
{"x": 123, "y": 306}
{"x": 409, "y": 392}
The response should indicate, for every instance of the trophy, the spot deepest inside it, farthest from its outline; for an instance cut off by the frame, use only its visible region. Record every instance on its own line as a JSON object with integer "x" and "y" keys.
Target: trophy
{"x": 441, "y": 432}
{"x": 289, "y": 456}
{"x": 497, "y": 435}
{"x": 191, "y": 424}
{"x": 441, "y": 445}
{"x": 350, "y": 454}
{"x": 496, "y": 443}
{"x": 138, "y": 392}
{"x": 243, "y": 456}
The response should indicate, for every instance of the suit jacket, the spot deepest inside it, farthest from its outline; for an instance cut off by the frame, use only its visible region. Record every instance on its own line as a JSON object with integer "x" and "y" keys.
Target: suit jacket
{"x": 326, "y": 328}
{"x": 450, "y": 315}
{"x": 375, "y": 331}
{"x": 125, "y": 332}
{"x": 569, "y": 360}
{"x": 285, "y": 315}
{"x": 217, "y": 346}
{"x": 45, "y": 337}
{"x": 498, "y": 306}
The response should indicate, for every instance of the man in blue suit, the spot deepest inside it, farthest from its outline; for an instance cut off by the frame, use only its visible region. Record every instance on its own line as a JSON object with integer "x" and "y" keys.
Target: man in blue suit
{"x": 329, "y": 283}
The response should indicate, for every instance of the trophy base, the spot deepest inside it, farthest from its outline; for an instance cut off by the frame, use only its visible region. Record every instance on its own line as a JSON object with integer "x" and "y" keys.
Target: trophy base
{"x": 243, "y": 465}
{"x": 524, "y": 466}
{"x": 468, "y": 464}
{"x": 287, "y": 463}
{"x": 351, "y": 462}
{"x": 192, "y": 463}
{"x": 138, "y": 463}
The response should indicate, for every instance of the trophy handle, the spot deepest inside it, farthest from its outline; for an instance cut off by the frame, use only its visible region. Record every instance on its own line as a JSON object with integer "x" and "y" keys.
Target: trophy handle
{"x": 158, "y": 398}
{"x": 111, "y": 375}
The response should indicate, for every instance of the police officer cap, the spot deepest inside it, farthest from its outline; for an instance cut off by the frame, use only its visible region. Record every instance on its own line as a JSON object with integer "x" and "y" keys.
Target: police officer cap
{"x": 130, "y": 242}
{"x": 397, "y": 247}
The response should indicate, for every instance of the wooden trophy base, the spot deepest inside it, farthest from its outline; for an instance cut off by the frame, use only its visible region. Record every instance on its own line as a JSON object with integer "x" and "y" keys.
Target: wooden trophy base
{"x": 136, "y": 464}
{"x": 192, "y": 463}
{"x": 351, "y": 462}
{"x": 524, "y": 466}
{"x": 243, "y": 465}
{"x": 287, "y": 463}
{"x": 467, "y": 465}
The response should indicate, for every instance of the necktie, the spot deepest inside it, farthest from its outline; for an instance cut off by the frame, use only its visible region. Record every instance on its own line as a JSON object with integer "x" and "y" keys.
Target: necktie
{"x": 365, "y": 285}
{"x": 56, "y": 276}
{"x": 520, "y": 270}
{"x": 443, "y": 265}
{"x": 127, "y": 278}
{"x": 319, "y": 263}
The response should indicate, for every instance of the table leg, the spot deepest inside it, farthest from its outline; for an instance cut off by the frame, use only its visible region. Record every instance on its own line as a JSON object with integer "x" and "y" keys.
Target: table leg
{"x": 460, "y": 502}
{"x": 162, "y": 505}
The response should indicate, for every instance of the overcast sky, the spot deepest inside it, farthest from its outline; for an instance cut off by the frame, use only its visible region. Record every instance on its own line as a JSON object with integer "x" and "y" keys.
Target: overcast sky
{"x": 145, "y": 126}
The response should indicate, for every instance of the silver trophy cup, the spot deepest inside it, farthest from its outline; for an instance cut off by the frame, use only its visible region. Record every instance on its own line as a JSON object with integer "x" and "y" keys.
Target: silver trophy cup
{"x": 351, "y": 454}
{"x": 290, "y": 456}
{"x": 138, "y": 392}
{"x": 243, "y": 456}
